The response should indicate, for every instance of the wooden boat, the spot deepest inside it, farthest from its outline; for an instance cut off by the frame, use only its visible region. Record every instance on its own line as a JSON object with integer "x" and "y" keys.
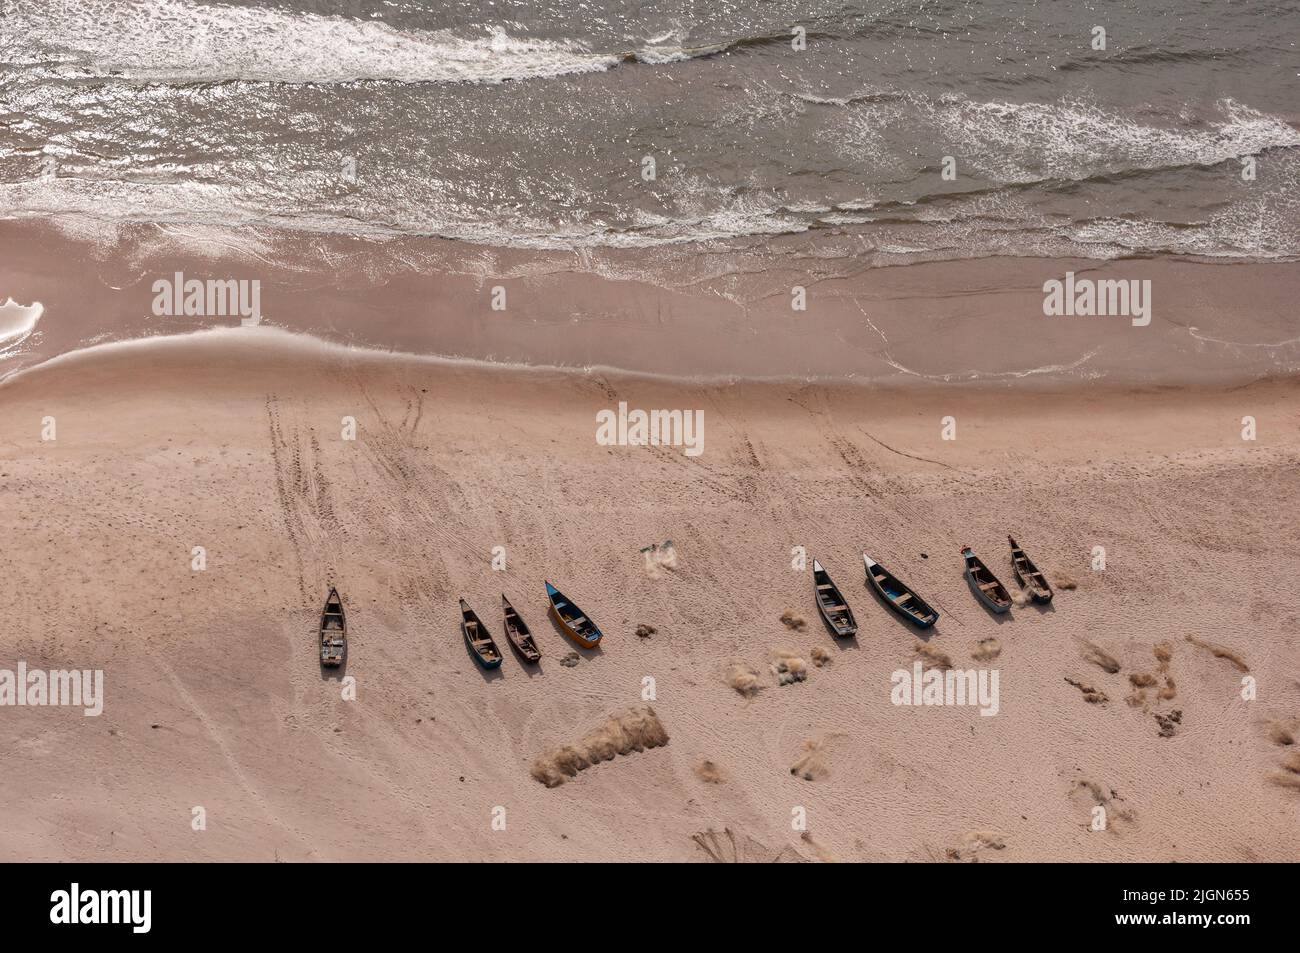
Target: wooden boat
{"x": 571, "y": 619}
{"x": 1027, "y": 574}
{"x": 478, "y": 638}
{"x": 333, "y": 631}
{"x": 831, "y": 604}
{"x": 897, "y": 596}
{"x": 518, "y": 634}
{"x": 984, "y": 584}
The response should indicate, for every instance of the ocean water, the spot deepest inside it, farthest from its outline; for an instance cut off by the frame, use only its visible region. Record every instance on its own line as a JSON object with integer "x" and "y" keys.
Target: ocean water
{"x": 527, "y": 123}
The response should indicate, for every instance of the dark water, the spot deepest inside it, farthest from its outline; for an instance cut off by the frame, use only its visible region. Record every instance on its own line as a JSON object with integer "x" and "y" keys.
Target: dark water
{"x": 525, "y": 122}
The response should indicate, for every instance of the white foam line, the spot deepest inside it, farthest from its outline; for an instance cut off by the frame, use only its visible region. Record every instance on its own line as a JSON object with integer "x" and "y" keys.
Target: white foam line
{"x": 982, "y": 375}
{"x": 1210, "y": 340}
{"x": 182, "y": 41}
{"x": 271, "y": 336}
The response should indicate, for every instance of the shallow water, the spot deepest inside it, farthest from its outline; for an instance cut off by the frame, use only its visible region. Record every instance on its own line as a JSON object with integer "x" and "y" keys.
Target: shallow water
{"x": 528, "y": 125}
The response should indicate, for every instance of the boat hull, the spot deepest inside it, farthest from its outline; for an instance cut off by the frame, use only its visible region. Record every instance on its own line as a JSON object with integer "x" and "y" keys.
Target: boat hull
{"x": 918, "y": 612}
{"x": 991, "y": 593}
{"x": 484, "y": 662}
{"x": 572, "y": 633}
{"x": 485, "y": 642}
{"x": 840, "y": 621}
{"x": 589, "y": 636}
{"x": 1025, "y": 572}
{"x": 990, "y": 604}
{"x": 518, "y": 634}
{"x": 333, "y": 633}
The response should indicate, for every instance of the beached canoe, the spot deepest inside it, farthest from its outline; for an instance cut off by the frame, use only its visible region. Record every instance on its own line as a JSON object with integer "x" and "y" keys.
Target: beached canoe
{"x": 478, "y": 638}
{"x": 572, "y": 620}
{"x": 1027, "y": 574}
{"x": 898, "y": 596}
{"x": 518, "y": 634}
{"x": 832, "y": 605}
{"x": 333, "y": 631}
{"x": 984, "y": 584}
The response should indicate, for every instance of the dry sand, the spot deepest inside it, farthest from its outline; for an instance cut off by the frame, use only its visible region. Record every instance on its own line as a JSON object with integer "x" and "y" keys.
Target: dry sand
{"x": 215, "y": 698}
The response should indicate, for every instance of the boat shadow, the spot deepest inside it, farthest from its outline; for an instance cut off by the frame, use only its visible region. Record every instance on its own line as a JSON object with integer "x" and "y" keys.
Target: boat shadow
{"x": 531, "y": 669}
{"x": 335, "y": 673}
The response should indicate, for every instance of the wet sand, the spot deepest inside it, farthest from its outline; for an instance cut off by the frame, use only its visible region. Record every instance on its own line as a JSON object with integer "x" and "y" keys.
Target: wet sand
{"x": 721, "y": 314}
{"x": 232, "y": 441}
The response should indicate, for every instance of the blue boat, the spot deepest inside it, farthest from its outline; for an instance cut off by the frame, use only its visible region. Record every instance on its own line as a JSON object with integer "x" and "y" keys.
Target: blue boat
{"x": 572, "y": 619}
{"x": 897, "y": 596}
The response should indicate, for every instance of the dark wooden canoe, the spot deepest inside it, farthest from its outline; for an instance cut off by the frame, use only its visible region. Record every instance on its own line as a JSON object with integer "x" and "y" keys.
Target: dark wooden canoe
{"x": 518, "y": 634}
{"x": 478, "y": 638}
{"x": 1027, "y": 574}
{"x": 984, "y": 584}
{"x": 572, "y": 620}
{"x": 832, "y": 605}
{"x": 333, "y": 631}
{"x": 898, "y": 596}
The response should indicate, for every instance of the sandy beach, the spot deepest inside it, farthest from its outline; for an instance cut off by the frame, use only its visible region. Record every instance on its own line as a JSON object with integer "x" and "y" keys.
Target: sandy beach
{"x": 214, "y": 697}
{"x": 690, "y": 325}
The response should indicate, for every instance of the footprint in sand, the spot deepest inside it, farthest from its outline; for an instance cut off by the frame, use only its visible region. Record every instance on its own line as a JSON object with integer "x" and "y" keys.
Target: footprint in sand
{"x": 930, "y": 657}
{"x": 812, "y": 764}
{"x": 1166, "y": 690}
{"x": 710, "y": 772}
{"x": 1284, "y": 734}
{"x": 1091, "y": 694}
{"x": 1100, "y": 657}
{"x": 1088, "y": 795}
{"x": 1220, "y": 651}
{"x": 973, "y": 843}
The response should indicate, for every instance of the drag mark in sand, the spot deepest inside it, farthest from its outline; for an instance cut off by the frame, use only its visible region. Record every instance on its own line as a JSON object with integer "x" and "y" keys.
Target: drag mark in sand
{"x": 909, "y": 456}
{"x": 306, "y": 502}
{"x": 725, "y": 847}
{"x": 1219, "y": 651}
{"x": 1091, "y": 694}
{"x": 292, "y": 523}
{"x": 1100, "y": 657}
{"x": 229, "y": 757}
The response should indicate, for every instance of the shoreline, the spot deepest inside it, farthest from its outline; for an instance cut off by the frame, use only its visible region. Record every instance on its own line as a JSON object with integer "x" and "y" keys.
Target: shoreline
{"x": 967, "y": 321}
